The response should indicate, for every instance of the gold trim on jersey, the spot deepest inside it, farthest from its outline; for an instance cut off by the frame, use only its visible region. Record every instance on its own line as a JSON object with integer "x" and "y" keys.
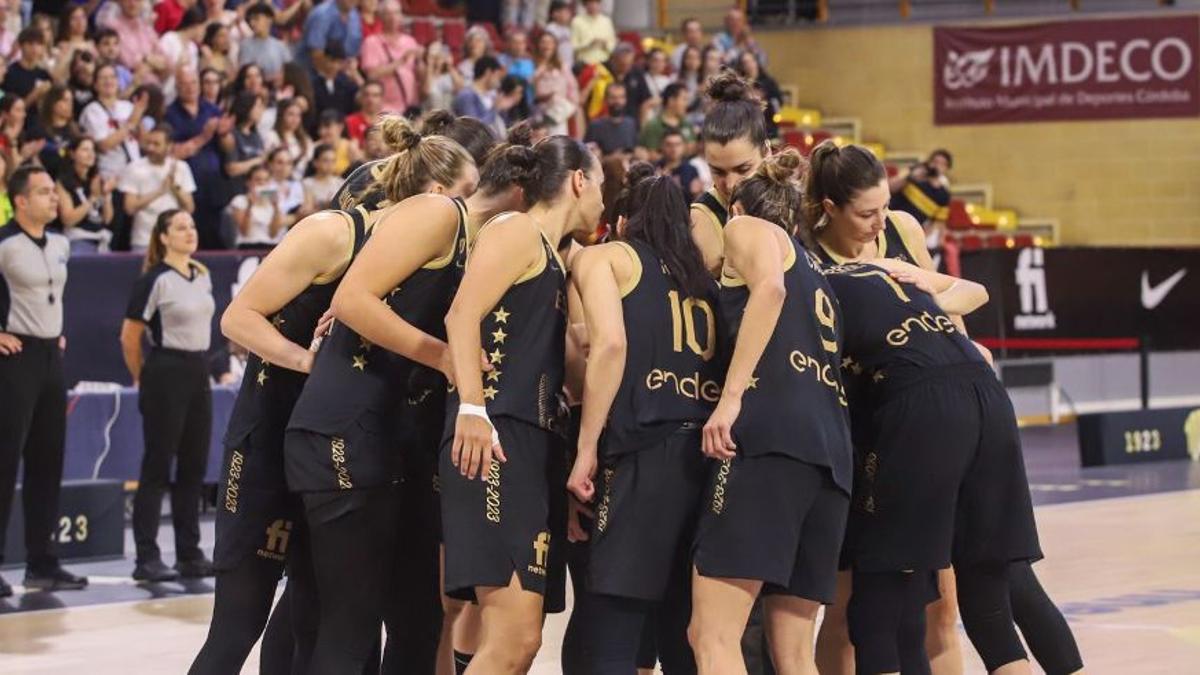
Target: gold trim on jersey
{"x": 632, "y": 282}
{"x": 443, "y": 261}
{"x": 880, "y": 245}
{"x": 894, "y": 219}
{"x": 731, "y": 280}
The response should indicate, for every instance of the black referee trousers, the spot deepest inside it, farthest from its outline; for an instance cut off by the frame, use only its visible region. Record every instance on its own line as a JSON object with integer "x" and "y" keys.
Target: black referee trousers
{"x": 33, "y": 427}
{"x": 176, "y": 405}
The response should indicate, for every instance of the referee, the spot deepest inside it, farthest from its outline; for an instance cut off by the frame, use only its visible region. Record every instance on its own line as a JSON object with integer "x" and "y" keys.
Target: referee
{"x": 33, "y": 416}
{"x": 173, "y": 297}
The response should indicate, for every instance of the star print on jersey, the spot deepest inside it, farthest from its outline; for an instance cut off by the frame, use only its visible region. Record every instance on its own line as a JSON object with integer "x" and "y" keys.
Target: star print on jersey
{"x": 878, "y": 376}
{"x": 851, "y": 365}
{"x": 501, "y": 315}
{"x": 753, "y": 383}
{"x": 277, "y": 321}
{"x": 364, "y": 344}
{"x": 496, "y": 356}
{"x": 493, "y": 376}
{"x": 262, "y": 376}
{"x": 489, "y": 393}
{"x": 360, "y": 362}
{"x": 498, "y": 335}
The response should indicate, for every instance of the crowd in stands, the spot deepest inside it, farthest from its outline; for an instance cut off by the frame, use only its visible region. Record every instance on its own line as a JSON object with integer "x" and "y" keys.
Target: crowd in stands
{"x": 248, "y": 113}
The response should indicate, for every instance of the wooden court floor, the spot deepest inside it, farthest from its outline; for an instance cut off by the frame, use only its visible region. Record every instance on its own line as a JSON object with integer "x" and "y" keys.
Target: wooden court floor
{"x": 1125, "y": 571}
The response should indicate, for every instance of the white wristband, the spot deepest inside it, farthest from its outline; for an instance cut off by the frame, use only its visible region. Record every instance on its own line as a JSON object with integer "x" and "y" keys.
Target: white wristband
{"x": 480, "y": 411}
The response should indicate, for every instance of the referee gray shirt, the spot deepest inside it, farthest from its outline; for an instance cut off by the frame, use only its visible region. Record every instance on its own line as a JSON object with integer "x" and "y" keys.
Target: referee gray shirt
{"x": 178, "y": 308}
{"x": 33, "y": 273}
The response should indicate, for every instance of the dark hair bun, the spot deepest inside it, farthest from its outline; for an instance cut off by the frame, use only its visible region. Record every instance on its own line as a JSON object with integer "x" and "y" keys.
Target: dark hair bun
{"x": 435, "y": 122}
{"x": 521, "y": 133}
{"x": 782, "y": 167}
{"x": 729, "y": 87}
{"x": 637, "y": 172}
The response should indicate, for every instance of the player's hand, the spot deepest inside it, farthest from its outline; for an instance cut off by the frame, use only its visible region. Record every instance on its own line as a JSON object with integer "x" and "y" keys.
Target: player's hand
{"x": 581, "y": 481}
{"x": 576, "y": 532}
{"x": 718, "y": 431}
{"x": 9, "y": 344}
{"x": 473, "y": 449}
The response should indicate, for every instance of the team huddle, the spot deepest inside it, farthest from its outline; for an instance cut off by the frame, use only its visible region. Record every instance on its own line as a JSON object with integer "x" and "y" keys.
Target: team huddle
{"x": 736, "y": 410}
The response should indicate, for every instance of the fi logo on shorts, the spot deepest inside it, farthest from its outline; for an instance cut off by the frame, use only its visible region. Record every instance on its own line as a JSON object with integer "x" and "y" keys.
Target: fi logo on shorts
{"x": 541, "y": 551}
{"x": 277, "y": 540}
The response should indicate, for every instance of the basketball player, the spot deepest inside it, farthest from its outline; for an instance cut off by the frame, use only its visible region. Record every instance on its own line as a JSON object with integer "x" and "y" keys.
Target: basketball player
{"x": 651, "y": 381}
{"x": 495, "y": 494}
{"x": 942, "y": 479}
{"x": 775, "y": 510}
{"x": 340, "y": 449}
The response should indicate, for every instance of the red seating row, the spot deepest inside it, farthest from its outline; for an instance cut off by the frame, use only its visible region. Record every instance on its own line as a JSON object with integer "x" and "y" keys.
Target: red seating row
{"x": 975, "y": 242}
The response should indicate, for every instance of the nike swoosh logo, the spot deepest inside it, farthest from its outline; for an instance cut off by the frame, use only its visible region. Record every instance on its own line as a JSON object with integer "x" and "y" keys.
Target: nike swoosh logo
{"x": 1152, "y": 296}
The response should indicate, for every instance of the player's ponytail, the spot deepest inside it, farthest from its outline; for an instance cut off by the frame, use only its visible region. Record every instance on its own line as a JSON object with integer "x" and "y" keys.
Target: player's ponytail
{"x": 836, "y": 174}
{"x": 657, "y": 215}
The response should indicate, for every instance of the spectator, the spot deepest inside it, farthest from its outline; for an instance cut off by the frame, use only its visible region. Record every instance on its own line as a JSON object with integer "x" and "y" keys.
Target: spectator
{"x": 673, "y": 118}
{"x": 559, "y": 26}
{"x": 82, "y": 79}
{"x": 292, "y": 199}
{"x": 267, "y": 52}
{"x": 372, "y": 24}
{"x": 215, "y": 50}
{"x": 522, "y": 13}
{"x": 517, "y": 89}
{"x": 179, "y": 47}
{"x": 13, "y": 117}
{"x": 637, "y": 92}
{"x": 924, "y": 190}
{"x": 85, "y": 200}
{"x": 476, "y": 44}
{"x": 6, "y": 207}
{"x": 195, "y": 123}
{"x": 736, "y": 38}
{"x": 139, "y": 48}
{"x": 27, "y": 77}
{"x": 168, "y": 14}
{"x": 657, "y": 78}
{"x": 333, "y": 22}
{"x": 260, "y": 224}
{"x": 688, "y": 71}
{"x": 442, "y": 80}
{"x": 768, "y": 89}
{"x": 674, "y": 163}
{"x": 8, "y": 36}
{"x": 515, "y": 58}
{"x": 332, "y": 87}
{"x": 555, "y": 90}
{"x": 212, "y": 83}
{"x": 156, "y": 104}
{"x": 289, "y": 133}
{"x": 615, "y": 131}
{"x": 592, "y": 34}
{"x": 113, "y": 123}
{"x": 390, "y": 58}
{"x": 108, "y": 47}
{"x": 370, "y": 101}
{"x": 153, "y": 184}
{"x": 243, "y": 146}
{"x": 331, "y": 132}
{"x": 323, "y": 182}
{"x": 692, "y": 33}
{"x": 72, "y": 37}
{"x": 56, "y": 122}
{"x": 479, "y": 100}
{"x": 376, "y": 148}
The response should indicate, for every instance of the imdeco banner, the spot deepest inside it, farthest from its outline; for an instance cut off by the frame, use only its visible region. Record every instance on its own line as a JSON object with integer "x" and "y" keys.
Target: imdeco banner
{"x": 1068, "y": 70}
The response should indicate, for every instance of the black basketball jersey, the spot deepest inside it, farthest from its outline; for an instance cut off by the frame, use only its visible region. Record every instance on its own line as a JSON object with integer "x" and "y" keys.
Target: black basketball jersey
{"x": 890, "y": 244}
{"x": 269, "y": 393}
{"x": 795, "y": 404}
{"x": 354, "y": 190}
{"x": 887, "y": 323}
{"x": 713, "y": 206}
{"x": 524, "y": 336}
{"x": 672, "y": 370}
{"x": 355, "y": 382}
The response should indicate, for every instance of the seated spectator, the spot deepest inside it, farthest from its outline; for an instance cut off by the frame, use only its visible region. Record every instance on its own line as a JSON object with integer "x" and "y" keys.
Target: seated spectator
{"x": 331, "y": 132}
{"x": 243, "y": 145}
{"x": 153, "y": 184}
{"x": 261, "y": 48}
{"x": 638, "y": 98}
{"x": 692, "y": 32}
{"x": 559, "y": 26}
{"x": 480, "y": 99}
{"x": 289, "y": 133}
{"x": 688, "y": 72}
{"x": 256, "y": 214}
{"x": 13, "y": 118}
{"x": 674, "y": 163}
{"x": 168, "y": 14}
{"x": 442, "y": 80}
{"x": 924, "y": 190}
{"x": 196, "y": 123}
{"x": 672, "y": 118}
{"x": 515, "y": 57}
{"x": 592, "y": 34}
{"x": 139, "y": 47}
{"x": 249, "y": 79}
{"x": 332, "y": 87}
{"x": 27, "y": 77}
{"x": 82, "y": 79}
{"x": 108, "y": 49}
{"x": 333, "y": 22}
{"x": 657, "y": 76}
{"x": 113, "y": 123}
{"x": 372, "y": 23}
{"x": 616, "y": 131}
{"x": 376, "y": 148}
{"x": 516, "y": 89}
{"x": 73, "y": 36}
{"x": 768, "y": 89}
{"x": 555, "y": 90}
{"x": 156, "y": 104}
{"x": 212, "y": 84}
{"x": 323, "y": 182}
{"x": 391, "y": 58}
{"x": 85, "y": 200}
{"x": 179, "y": 47}
{"x": 215, "y": 50}
{"x": 293, "y": 201}
{"x": 56, "y": 122}
{"x": 737, "y": 38}
{"x": 477, "y": 43}
{"x": 370, "y": 101}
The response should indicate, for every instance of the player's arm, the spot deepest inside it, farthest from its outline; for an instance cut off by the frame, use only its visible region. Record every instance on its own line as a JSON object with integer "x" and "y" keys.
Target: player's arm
{"x": 955, "y": 296}
{"x": 411, "y": 234}
{"x": 288, "y": 269}
{"x": 504, "y": 250}
{"x": 752, "y": 249}
{"x": 708, "y": 237}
